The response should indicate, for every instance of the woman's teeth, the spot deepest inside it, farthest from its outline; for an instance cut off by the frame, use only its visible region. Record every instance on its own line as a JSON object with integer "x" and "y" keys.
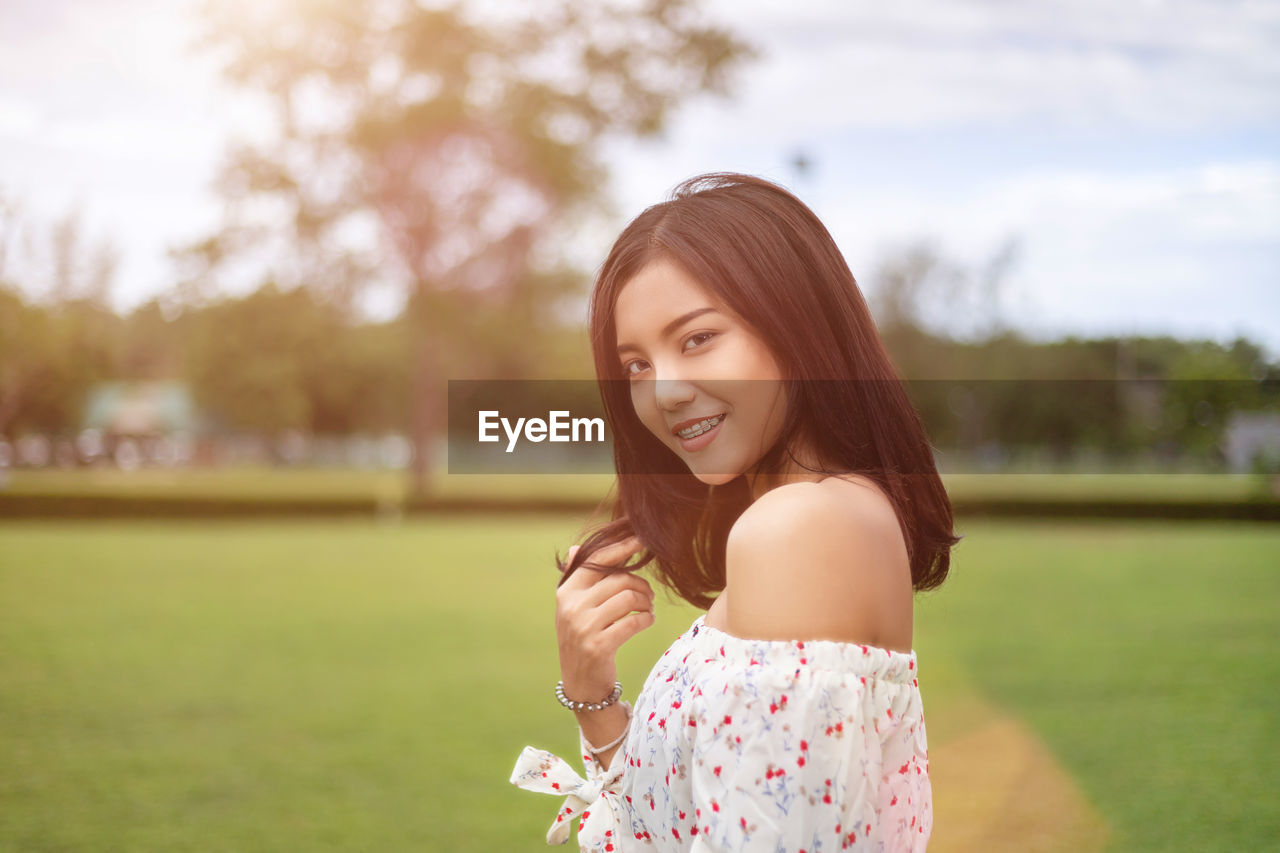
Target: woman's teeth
{"x": 701, "y": 427}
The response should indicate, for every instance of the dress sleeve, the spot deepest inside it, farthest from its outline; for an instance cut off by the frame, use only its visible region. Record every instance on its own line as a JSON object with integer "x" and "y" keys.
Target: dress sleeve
{"x": 808, "y": 759}
{"x": 592, "y": 801}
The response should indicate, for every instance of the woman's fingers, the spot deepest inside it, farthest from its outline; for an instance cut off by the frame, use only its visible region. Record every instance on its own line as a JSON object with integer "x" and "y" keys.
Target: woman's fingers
{"x": 589, "y": 573}
{"x": 617, "y": 606}
{"x": 617, "y": 553}
{"x": 610, "y": 584}
{"x": 627, "y": 627}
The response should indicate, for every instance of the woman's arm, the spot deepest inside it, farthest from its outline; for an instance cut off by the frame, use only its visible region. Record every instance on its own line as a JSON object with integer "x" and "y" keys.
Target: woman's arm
{"x": 599, "y": 727}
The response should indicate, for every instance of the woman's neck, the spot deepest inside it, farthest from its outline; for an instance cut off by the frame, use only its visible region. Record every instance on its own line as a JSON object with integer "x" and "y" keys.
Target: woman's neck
{"x": 791, "y": 472}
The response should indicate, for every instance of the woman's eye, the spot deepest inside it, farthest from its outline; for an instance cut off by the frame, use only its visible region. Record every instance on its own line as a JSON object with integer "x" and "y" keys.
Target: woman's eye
{"x": 627, "y": 368}
{"x": 694, "y": 337}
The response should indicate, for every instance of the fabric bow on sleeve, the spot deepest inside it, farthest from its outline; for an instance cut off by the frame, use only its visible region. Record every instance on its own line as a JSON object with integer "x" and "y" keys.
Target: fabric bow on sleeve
{"x": 547, "y": 773}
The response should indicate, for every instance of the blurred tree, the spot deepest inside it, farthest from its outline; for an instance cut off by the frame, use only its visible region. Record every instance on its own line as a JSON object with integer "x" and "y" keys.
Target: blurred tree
{"x": 917, "y": 292}
{"x": 52, "y": 352}
{"x": 276, "y": 360}
{"x": 459, "y": 135}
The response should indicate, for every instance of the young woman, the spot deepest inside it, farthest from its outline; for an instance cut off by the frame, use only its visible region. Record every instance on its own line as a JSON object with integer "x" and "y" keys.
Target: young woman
{"x": 767, "y": 452}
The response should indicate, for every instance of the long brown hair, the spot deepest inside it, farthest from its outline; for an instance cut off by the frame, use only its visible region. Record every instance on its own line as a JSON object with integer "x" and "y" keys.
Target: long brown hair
{"x": 766, "y": 256}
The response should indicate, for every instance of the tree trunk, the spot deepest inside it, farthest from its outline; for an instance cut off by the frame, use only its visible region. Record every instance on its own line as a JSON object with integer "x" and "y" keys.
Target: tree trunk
{"x": 427, "y": 406}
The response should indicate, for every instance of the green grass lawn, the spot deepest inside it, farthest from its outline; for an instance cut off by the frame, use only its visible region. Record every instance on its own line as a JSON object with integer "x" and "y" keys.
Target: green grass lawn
{"x": 1145, "y": 655}
{"x": 259, "y": 686}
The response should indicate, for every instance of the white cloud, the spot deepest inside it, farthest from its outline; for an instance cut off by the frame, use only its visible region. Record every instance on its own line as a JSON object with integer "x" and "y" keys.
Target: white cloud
{"x": 1187, "y": 251}
{"x": 835, "y": 65}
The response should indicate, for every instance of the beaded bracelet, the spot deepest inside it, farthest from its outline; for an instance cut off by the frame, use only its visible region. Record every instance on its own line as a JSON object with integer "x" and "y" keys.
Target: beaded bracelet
{"x": 587, "y": 706}
{"x": 611, "y": 744}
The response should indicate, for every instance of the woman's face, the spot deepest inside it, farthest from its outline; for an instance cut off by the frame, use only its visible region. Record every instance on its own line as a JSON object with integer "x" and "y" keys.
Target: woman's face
{"x": 689, "y": 359}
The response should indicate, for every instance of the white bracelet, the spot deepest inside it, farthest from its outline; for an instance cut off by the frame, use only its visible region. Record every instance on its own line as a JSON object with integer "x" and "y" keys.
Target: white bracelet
{"x": 597, "y": 749}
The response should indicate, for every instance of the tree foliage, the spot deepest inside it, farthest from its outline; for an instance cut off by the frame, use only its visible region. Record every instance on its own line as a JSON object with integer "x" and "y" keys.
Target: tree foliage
{"x": 439, "y": 147}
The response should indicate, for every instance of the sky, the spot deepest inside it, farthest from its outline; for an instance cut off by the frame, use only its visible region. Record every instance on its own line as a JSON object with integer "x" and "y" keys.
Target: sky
{"x": 1131, "y": 150}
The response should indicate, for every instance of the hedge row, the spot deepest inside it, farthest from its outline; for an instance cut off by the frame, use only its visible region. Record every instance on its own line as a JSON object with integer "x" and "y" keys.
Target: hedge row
{"x": 121, "y": 506}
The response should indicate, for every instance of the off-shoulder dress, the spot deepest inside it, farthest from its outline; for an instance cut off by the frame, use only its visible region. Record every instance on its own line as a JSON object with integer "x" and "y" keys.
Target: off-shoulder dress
{"x": 755, "y": 746}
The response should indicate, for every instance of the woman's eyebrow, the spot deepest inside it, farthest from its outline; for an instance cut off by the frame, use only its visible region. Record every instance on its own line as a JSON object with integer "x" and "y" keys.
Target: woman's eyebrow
{"x": 670, "y": 327}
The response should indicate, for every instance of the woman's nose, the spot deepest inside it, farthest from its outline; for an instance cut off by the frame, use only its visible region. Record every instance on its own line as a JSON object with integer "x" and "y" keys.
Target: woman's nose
{"x": 671, "y": 389}
{"x": 670, "y": 394}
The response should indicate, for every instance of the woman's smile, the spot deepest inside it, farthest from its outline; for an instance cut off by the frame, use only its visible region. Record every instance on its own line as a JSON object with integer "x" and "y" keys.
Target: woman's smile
{"x": 701, "y": 433}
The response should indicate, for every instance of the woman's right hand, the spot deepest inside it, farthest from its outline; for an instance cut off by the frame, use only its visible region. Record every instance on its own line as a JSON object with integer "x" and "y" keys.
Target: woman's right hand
{"x": 596, "y": 612}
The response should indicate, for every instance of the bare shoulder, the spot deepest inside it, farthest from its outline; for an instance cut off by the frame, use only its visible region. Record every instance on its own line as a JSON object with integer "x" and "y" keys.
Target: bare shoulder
{"x": 822, "y": 560}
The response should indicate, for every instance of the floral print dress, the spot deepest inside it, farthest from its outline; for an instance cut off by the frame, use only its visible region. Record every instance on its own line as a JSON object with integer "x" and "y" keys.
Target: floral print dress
{"x": 760, "y": 746}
